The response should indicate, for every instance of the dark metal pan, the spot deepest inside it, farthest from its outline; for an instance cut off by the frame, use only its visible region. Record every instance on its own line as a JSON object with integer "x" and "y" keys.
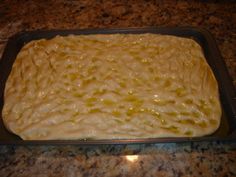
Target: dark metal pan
{"x": 227, "y": 129}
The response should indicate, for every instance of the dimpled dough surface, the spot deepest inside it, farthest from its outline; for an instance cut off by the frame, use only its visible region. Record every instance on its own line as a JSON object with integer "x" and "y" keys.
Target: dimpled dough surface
{"x": 117, "y": 86}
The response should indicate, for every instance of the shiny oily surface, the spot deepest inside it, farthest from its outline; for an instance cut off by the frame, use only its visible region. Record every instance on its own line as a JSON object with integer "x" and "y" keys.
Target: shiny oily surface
{"x": 111, "y": 86}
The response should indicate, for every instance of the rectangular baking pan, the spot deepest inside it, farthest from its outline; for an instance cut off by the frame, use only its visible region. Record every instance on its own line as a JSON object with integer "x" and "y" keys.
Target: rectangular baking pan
{"x": 227, "y": 129}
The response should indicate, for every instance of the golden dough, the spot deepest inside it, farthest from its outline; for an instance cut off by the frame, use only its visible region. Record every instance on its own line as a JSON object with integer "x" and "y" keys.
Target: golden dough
{"x": 111, "y": 86}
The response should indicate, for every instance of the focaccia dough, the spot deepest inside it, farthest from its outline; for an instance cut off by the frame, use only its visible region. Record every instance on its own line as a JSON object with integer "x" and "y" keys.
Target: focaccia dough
{"x": 111, "y": 86}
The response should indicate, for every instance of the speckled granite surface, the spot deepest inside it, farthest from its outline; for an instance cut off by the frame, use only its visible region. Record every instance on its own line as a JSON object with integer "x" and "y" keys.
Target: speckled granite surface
{"x": 180, "y": 159}
{"x": 185, "y": 159}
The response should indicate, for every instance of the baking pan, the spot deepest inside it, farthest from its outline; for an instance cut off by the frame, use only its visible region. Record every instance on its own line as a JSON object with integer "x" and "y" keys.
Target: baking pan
{"x": 227, "y": 129}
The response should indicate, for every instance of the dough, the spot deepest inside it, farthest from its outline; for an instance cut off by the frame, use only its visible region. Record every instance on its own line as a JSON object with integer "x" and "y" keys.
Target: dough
{"x": 111, "y": 86}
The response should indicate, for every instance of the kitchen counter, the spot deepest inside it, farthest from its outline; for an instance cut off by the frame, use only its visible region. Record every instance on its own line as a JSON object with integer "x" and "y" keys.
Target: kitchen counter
{"x": 170, "y": 159}
{"x": 181, "y": 159}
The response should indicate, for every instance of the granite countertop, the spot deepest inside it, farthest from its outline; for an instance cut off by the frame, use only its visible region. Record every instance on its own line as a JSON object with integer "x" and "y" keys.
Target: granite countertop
{"x": 181, "y": 159}
{"x": 163, "y": 159}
